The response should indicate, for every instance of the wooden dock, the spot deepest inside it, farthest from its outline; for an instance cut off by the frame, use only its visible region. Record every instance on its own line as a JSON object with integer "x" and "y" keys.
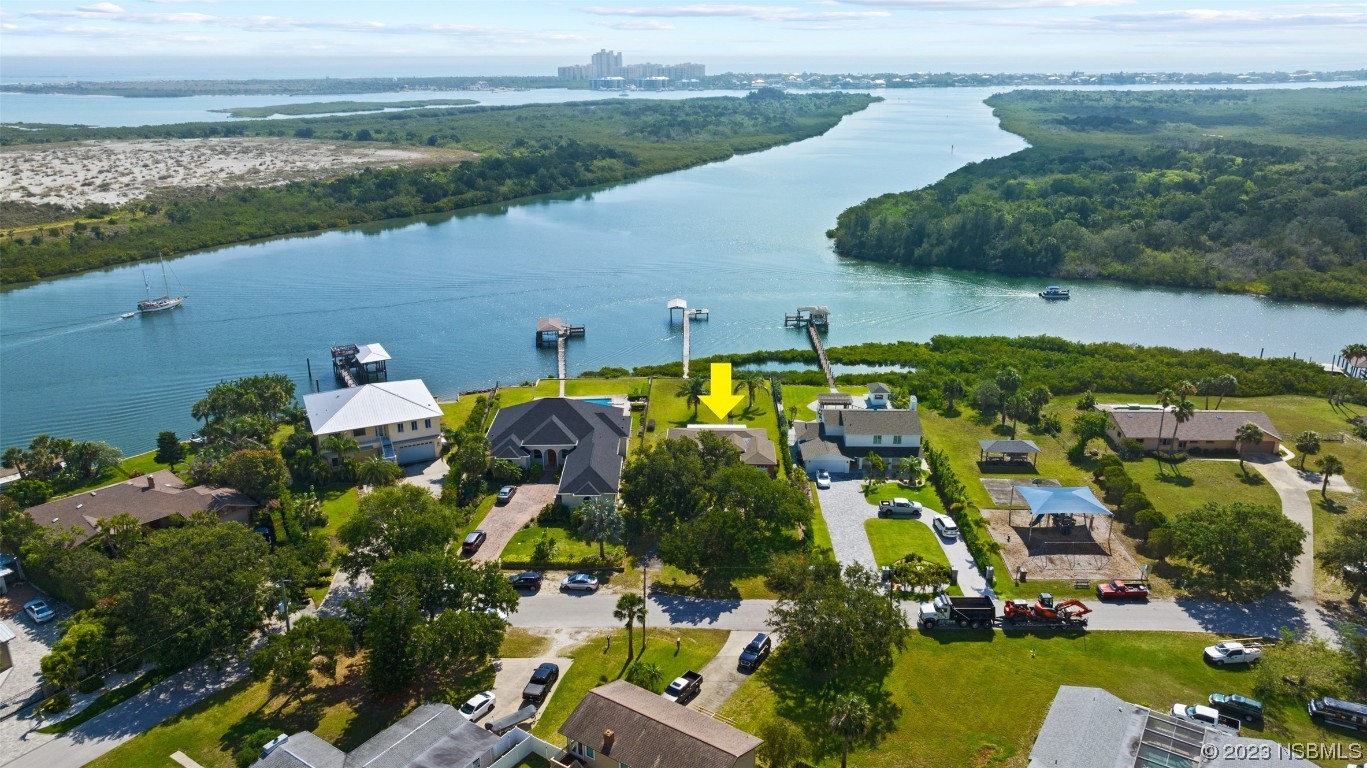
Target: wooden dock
{"x": 550, "y": 329}
{"x": 821, "y": 357}
{"x": 686, "y": 350}
{"x": 685, "y": 316}
{"x": 357, "y": 364}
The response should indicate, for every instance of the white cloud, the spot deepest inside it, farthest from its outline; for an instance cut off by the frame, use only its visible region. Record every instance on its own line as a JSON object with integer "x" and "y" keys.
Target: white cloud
{"x": 755, "y": 12}
{"x": 637, "y": 24}
{"x": 1195, "y": 19}
{"x": 983, "y": 5}
{"x": 101, "y": 8}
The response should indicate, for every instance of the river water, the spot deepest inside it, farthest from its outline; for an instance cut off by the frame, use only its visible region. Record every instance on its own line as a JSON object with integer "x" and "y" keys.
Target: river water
{"x": 455, "y": 297}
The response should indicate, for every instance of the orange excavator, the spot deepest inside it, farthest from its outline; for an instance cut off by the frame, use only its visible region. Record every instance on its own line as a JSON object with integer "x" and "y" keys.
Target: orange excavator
{"x": 1044, "y": 611}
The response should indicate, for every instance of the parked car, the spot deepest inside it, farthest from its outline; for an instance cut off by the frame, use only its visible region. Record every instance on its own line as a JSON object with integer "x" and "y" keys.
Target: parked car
{"x": 1345, "y": 714}
{"x": 900, "y": 507}
{"x": 1224, "y": 654}
{"x": 1202, "y": 715}
{"x": 505, "y": 494}
{"x": 526, "y": 579}
{"x": 473, "y": 542}
{"x": 543, "y": 680}
{"x": 684, "y": 688}
{"x": 39, "y": 611}
{"x": 944, "y": 525}
{"x": 479, "y": 705}
{"x": 1119, "y": 590}
{"x": 823, "y": 479}
{"x": 585, "y": 582}
{"x": 1234, "y": 705}
{"x": 756, "y": 652}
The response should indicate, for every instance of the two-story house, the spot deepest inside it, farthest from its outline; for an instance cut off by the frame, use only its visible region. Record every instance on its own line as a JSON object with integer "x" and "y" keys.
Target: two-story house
{"x": 842, "y": 437}
{"x": 398, "y": 420}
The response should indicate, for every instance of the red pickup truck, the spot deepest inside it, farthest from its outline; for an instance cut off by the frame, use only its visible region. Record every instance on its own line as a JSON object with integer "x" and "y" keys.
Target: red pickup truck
{"x": 1119, "y": 590}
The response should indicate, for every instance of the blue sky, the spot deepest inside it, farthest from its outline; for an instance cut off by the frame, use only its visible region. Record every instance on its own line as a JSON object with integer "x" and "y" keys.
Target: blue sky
{"x": 902, "y": 35}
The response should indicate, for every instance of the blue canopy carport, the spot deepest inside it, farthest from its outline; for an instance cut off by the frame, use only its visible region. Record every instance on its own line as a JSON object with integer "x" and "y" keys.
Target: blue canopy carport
{"x": 1074, "y": 502}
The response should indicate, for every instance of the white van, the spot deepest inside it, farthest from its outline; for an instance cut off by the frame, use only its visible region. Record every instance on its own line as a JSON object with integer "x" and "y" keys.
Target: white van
{"x": 944, "y": 525}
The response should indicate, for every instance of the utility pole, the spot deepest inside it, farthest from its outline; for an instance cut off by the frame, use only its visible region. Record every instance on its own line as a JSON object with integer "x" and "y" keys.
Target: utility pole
{"x": 285, "y": 602}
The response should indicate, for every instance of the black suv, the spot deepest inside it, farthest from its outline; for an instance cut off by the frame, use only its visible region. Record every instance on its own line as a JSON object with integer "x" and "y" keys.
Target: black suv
{"x": 756, "y": 652}
{"x": 473, "y": 542}
{"x": 528, "y": 579}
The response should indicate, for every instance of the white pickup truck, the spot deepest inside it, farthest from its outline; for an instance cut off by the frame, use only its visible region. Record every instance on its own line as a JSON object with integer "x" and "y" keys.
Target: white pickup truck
{"x": 1224, "y": 654}
{"x": 1207, "y": 716}
{"x": 899, "y": 507}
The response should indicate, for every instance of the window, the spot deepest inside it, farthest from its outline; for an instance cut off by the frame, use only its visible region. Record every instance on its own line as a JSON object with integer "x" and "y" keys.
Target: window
{"x": 896, "y": 439}
{"x": 358, "y": 432}
{"x": 426, "y": 423}
{"x": 400, "y": 425}
{"x": 877, "y": 439}
{"x": 414, "y": 425}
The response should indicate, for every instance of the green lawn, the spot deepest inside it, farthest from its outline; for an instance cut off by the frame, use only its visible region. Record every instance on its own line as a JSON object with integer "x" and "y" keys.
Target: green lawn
{"x": 820, "y": 533}
{"x": 892, "y": 490}
{"x": 1293, "y": 414}
{"x": 569, "y": 547}
{"x": 520, "y": 643}
{"x": 1328, "y": 516}
{"x": 959, "y": 700}
{"x": 801, "y": 396}
{"x": 1200, "y": 481}
{"x": 596, "y": 664}
{"x": 339, "y": 504}
{"x": 668, "y": 410}
{"x": 893, "y": 540}
{"x": 455, "y": 414}
{"x": 589, "y": 387}
{"x": 339, "y": 712}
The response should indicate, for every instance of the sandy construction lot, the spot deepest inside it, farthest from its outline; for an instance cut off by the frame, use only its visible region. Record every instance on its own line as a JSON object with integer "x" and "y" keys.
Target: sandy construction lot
{"x": 115, "y": 172}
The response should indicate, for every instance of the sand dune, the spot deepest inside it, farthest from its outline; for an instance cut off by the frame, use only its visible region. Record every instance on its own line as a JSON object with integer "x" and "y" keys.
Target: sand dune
{"x": 115, "y": 172}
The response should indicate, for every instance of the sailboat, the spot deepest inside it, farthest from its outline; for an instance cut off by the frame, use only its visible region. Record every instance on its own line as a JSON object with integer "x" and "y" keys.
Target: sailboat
{"x": 159, "y": 303}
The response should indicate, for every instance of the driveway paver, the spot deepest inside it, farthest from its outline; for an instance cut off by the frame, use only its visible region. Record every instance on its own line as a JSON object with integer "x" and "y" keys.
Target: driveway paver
{"x": 503, "y": 522}
{"x": 845, "y": 509}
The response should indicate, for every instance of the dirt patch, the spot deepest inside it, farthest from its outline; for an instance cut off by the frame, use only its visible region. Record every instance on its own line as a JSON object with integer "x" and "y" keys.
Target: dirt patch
{"x": 1000, "y": 489}
{"x": 1046, "y": 553}
{"x": 115, "y": 172}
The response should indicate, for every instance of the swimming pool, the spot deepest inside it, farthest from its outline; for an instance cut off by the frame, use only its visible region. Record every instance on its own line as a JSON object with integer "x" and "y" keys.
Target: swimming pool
{"x": 599, "y": 400}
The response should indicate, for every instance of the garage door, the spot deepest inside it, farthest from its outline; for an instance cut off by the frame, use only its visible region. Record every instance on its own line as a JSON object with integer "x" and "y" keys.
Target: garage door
{"x": 415, "y": 452}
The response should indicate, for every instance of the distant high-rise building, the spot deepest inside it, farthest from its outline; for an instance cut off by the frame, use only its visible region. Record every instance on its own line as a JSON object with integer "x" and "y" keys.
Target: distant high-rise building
{"x": 607, "y": 63}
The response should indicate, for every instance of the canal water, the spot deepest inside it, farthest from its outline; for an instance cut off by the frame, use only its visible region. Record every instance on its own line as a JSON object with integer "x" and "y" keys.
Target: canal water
{"x": 455, "y": 297}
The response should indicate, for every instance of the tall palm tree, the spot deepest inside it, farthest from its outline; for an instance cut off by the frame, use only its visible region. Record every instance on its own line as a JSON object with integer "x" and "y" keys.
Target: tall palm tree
{"x": 631, "y": 608}
{"x": 1166, "y": 397}
{"x": 1246, "y": 435}
{"x": 1205, "y": 387}
{"x": 1355, "y": 352}
{"x": 1181, "y": 414}
{"x": 953, "y": 389}
{"x": 851, "y": 717}
{"x": 751, "y": 381}
{"x": 376, "y": 471}
{"x": 1225, "y": 385}
{"x": 692, "y": 391}
{"x": 340, "y": 443}
{"x": 1008, "y": 380}
{"x": 1308, "y": 443}
{"x": 1329, "y": 465}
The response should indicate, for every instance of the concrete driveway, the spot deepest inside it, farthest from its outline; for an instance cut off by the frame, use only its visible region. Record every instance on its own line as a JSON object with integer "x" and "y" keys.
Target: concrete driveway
{"x": 845, "y": 509}
{"x": 502, "y": 522}
{"x": 428, "y": 476}
{"x": 722, "y": 675}
{"x": 31, "y": 642}
{"x": 512, "y": 677}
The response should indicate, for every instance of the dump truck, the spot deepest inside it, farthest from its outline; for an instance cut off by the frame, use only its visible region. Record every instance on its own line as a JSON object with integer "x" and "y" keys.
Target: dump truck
{"x": 981, "y": 613}
{"x": 684, "y": 688}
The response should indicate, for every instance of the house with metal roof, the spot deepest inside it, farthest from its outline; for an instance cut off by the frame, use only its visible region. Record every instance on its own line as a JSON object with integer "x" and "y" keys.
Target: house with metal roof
{"x": 619, "y": 724}
{"x": 397, "y": 420}
{"x": 1091, "y": 728}
{"x": 756, "y": 449}
{"x": 586, "y": 441}
{"x": 153, "y": 499}
{"x": 1204, "y": 432}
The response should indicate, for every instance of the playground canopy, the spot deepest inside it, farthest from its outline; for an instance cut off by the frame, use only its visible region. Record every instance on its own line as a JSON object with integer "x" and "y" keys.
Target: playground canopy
{"x": 1044, "y": 500}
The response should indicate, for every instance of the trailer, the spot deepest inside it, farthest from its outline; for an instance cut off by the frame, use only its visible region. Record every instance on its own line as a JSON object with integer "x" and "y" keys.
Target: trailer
{"x": 981, "y": 613}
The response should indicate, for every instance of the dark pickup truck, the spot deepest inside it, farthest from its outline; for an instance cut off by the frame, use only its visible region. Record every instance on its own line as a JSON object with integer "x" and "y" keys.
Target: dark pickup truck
{"x": 543, "y": 680}
{"x": 684, "y": 688}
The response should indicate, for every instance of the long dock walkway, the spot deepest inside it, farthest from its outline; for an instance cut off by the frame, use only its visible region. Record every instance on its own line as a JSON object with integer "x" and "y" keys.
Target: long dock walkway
{"x": 560, "y": 360}
{"x": 685, "y": 356}
{"x": 821, "y": 357}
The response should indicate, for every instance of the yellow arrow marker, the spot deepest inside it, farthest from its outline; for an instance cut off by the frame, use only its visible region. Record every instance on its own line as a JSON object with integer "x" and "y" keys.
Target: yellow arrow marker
{"x": 721, "y": 401}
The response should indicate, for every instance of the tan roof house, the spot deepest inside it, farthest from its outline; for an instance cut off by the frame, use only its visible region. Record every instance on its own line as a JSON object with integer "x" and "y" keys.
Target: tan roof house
{"x": 1204, "y": 432}
{"x": 619, "y": 724}
{"x": 756, "y": 449}
{"x": 152, "y": 499}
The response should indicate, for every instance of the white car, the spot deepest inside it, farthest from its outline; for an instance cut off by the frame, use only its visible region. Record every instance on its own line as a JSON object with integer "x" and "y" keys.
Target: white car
{"x": 39, "y": 611}
{"x": 582, "y": 581}
{"x": 823, "y": 479}
{"x": 478, "y": 706}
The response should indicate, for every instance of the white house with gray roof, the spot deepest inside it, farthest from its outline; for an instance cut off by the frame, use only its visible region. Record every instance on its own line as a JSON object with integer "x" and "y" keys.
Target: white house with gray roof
{"x": 398, "y": 420}
{"x": 586, "y": 441}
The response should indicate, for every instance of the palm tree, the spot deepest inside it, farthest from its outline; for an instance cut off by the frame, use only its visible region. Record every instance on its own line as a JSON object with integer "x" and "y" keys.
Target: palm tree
{"x": 646, "y": 674}
{"x": 1225, "y": 385}
{"x": 953, "y": 389}
{"x": 631, "y": 608}
{"x": 1329, "y": 465}
{"x": 1166, "y": 397}
{"x": 15, "y": 458}
{"x": 340, "y": 443}
{"x": 376, "y": 471}
{"x": 1205, "y": 387}
{"x": 1017, "y": 407}
{"x": 1039, "y": 397}
{"x": 1308, "y": 443}
{"x": 850, "y": 717}
{"x": 1354, "y": 353}
{"x": 751, "y": 381}
{"x": 1181, "y": 414}
{"x": 1246, "y": 435}
{"x": 1008, "y": 380}
{"x": 692, "y": 391}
